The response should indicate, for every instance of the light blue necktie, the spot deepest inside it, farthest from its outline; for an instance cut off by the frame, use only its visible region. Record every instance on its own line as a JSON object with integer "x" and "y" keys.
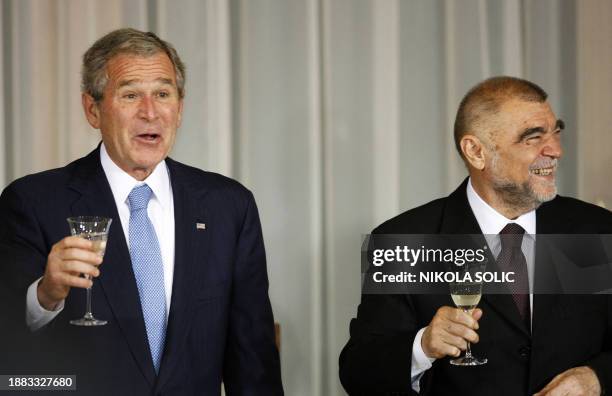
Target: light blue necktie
{"x": 148, "y": 269}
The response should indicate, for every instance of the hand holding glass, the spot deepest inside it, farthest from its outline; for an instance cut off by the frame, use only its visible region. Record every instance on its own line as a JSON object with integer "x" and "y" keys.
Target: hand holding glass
{"x": 466, "y": 296}
{"x": 94, "y": 229}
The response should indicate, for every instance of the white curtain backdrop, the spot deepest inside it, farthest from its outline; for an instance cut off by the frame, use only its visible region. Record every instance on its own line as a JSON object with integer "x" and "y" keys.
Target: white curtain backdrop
{"x": 336, "y": 113}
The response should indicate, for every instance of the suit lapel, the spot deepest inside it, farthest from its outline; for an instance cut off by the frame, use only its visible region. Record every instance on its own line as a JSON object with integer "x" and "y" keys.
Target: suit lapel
{"x": 548, "y": 221}
{"x": 189, "y": 254}
{"x": 116, "y": 280}
{"x": 458, "y": 218}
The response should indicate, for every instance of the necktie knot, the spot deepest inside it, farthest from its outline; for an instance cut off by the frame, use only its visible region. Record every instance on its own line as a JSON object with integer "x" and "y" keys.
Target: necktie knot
{"x": 511, "y": 236}
{"x": 139, "y": 197}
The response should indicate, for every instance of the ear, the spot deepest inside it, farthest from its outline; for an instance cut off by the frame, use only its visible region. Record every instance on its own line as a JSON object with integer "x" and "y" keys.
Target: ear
{"x": 473, "y": 151}
{"x": 92, "y": 112}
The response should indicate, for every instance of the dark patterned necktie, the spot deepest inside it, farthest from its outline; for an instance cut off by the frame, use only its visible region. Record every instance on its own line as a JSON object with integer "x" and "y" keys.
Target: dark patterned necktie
{"x": 512, "y": 259}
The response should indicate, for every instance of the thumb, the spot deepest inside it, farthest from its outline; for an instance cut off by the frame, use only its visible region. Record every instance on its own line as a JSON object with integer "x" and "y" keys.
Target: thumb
{"x": 477, "y": 314}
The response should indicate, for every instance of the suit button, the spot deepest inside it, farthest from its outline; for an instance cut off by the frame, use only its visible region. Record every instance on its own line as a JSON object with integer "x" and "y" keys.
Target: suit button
{"x": 524, "y": 351}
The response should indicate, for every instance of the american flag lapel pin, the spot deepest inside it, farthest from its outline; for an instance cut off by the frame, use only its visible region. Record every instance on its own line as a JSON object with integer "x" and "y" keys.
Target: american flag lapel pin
{"x": 200, "y": 226}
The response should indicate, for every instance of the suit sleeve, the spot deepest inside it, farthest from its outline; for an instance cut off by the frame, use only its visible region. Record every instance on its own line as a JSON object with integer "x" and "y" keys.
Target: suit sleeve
{"x": 252, "y": 365}
{"x": 602, "y": 363}
{"x": 377, "y": 358}
{"x": 22, "y": 260}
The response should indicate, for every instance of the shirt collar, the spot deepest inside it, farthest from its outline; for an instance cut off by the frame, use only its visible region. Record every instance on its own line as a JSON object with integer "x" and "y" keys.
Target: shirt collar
{"x": 491, "y": 222}
{"x": 122, "y": 183}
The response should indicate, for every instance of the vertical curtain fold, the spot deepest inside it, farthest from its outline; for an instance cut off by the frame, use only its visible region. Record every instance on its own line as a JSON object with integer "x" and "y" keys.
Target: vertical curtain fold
{"x": 337, "y": 114}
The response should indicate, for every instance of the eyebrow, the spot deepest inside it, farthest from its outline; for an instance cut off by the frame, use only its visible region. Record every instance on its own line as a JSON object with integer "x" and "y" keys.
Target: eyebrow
{"x": 559, "y": 126}
{"x": 165, "y": 81}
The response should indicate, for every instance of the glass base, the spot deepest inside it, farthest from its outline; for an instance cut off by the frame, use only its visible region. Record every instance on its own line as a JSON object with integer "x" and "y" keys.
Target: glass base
{"x": 468, "y": 361}
{"x": 88, "y": 322}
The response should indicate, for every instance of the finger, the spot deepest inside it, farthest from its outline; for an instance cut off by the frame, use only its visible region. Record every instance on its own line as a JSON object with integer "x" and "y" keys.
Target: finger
{"x": 463, "y": 318}
{"x": 452, "y": 351}
{"x": 66, "y": 279}
{"x": 445, "y": 312}
{"x": 79, "y": 267}
{"x": 477, "y": 314}
{"x": 453, "y": 341}
{"x": 77, "y": 254}
{"x": 75, "y": 242}
{"x": 461, "y": 331}
{"x": 444, "y": 349}
{"x": 434, "y": 346}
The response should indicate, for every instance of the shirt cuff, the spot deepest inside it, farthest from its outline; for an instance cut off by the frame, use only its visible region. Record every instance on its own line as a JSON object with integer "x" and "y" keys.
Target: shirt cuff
{"x": 36, "y": 315}
{"x": 420, "y": 361}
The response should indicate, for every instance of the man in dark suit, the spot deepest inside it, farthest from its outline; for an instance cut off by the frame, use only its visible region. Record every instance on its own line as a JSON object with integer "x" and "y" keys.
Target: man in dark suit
{"x": 183, "y": 283}
{"x": 509, "y": 139}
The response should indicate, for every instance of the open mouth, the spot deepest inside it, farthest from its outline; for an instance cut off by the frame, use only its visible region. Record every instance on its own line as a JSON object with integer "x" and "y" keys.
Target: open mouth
{"x": 542, "y": 171}
{"x": 149, "y": 137}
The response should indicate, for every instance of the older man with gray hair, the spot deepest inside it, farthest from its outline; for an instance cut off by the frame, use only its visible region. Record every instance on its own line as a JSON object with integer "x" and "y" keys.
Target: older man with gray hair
{"x": 183, "y": 287}
{"x": 510, "y": 141}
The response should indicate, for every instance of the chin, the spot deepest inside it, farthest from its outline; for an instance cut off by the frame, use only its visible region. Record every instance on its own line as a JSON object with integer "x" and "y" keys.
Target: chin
{"x": 544, "y": 194}
{"x": 147, "y": 160}
{"x": 146, "y": 166}
{"x": 545, "y": 197}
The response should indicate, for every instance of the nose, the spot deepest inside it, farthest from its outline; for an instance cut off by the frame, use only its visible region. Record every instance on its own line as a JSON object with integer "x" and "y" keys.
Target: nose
{"x": 147, "y": 110}
{"x": 552, "y": 147}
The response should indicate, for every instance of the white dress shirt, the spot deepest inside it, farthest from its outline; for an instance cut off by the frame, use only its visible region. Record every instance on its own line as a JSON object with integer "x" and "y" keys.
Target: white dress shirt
{"x": 160, "y": 211}
{"x": 491, "y": 222}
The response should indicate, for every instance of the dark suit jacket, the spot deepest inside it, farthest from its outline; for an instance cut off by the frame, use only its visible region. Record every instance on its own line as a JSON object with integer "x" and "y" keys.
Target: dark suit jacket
{"x": 567, "y": 331}
{"x": 220, "y": 326}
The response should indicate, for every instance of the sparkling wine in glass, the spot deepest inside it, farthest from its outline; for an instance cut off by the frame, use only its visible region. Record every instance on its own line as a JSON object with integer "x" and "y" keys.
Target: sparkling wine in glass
{"x": 466, "y": 295}
{"x": 95, "y": 229}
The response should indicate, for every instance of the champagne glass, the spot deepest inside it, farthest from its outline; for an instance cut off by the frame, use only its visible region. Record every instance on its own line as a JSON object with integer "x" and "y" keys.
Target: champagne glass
{"x": 95, "y": 229}
{"x": 466, "y": 292}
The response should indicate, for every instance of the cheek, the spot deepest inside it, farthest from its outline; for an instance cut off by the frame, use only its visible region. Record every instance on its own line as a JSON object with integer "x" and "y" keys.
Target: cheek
{"x": 171, "y": 112}
{"x": 173, "y": 118}
{"x": 512, "y": 169}
{"x": 116, "y": 119}
{"x": 524, "y": 167}
{"x": 518, "y": 165}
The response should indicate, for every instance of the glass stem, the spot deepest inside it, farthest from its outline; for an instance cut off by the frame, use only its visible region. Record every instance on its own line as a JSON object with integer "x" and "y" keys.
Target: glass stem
{"x": 88, "y": 314}
{"x": 468, "y": 351}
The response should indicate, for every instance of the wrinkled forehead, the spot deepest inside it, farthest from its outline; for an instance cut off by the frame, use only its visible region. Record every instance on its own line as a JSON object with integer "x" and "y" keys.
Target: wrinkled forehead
{"x": 515, "y": 115}
{"x": 131, "y": 68}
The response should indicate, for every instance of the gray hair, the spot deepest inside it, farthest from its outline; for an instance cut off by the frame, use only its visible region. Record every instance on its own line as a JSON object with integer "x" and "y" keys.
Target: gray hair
{"x": 485, "y": 99}
{"x": 124, "y": 41}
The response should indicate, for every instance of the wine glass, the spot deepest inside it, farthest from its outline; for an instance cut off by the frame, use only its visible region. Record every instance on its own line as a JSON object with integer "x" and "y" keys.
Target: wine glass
{"x": 466, "y": 292}
{"x": 95, "y": 229}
